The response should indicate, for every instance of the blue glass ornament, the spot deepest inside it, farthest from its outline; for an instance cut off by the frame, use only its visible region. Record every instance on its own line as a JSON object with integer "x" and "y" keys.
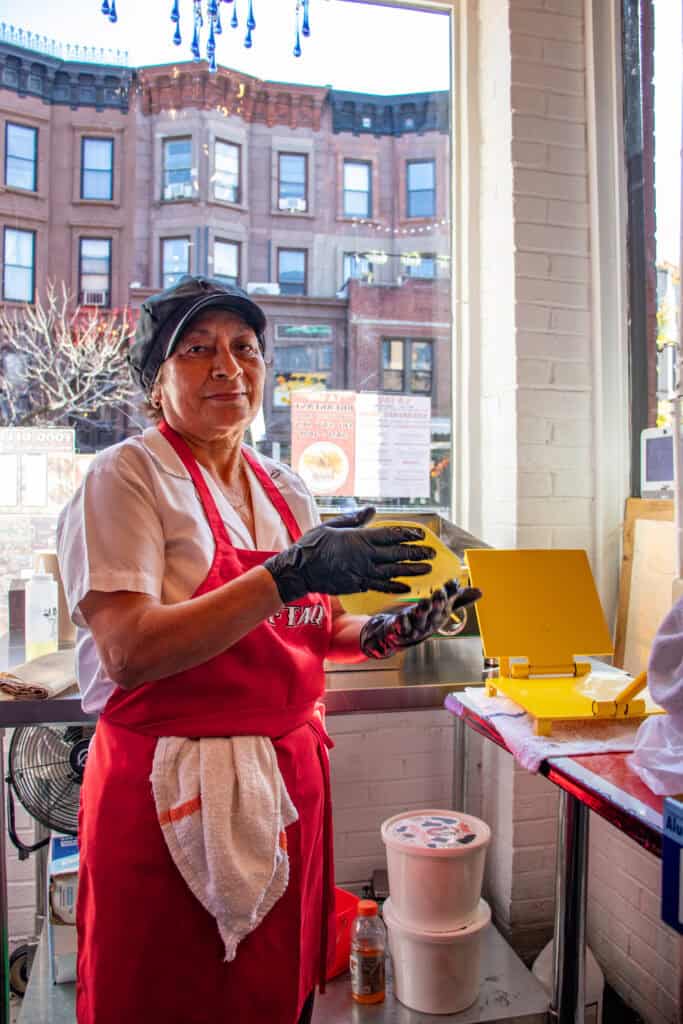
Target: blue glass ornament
{"x": 177, "y": 38}
{"x": 212, "y": 8}
{"x": 247, "y": 39}
{"x": 175, "y": 13}
{"x": 195, "y": 43}
{"x": 306, "y": 26}
{"x": 113, "y": 17}
{"x": 251, "y": 20}
{"x": 212, "y": 63}
{"x": 233, "y": 20}
{"x": 105, "y": 7}
{"x": 211, "y": 43}
{"x": 297, "y": 43}
{"x": 219, "y": 27}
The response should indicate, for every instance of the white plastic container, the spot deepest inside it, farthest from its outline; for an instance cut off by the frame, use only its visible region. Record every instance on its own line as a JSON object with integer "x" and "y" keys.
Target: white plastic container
{"x": 435, "y": 863}
{"x": 436, "y": 972}
{"x": 41, "y": 625}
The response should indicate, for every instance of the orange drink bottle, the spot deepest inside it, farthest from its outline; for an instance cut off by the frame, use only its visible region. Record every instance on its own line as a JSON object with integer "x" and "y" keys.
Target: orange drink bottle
{"x": 368, "y": 943}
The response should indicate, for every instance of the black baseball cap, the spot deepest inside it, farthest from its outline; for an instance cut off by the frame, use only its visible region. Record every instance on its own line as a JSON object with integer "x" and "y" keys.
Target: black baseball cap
{"x": 164, "y": 317}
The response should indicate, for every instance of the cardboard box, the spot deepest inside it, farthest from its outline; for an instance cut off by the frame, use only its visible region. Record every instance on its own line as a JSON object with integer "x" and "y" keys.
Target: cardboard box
{"x": 62, "y": 891}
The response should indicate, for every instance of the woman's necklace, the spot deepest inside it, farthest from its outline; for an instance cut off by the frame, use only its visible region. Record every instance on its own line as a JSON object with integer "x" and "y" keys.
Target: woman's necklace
{"x": 239, "y": 497}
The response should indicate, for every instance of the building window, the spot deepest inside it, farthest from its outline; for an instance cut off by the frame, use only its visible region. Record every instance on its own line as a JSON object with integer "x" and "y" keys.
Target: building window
{"x": 292, "y": 182}
{"x": 355, "y": 266}
{"x": 175, "y": 260}
{"x": 357, "y": 189}
{"x": 419, "y": 265}
{"x": 298, "y": 368}
{"x": 94, "y": 271}
{"x": 97, "y": 168}
{"x": 421, "y": 184}
{"x": 407, "y": 366}
{"x": 226, "y": 261}
{"x": 177, "y": 169}
{"x": 291, "y": 271}
{"x": 18, "y": 274}
{"x": 21, "y": 151}
{"x": 226, "y": 179}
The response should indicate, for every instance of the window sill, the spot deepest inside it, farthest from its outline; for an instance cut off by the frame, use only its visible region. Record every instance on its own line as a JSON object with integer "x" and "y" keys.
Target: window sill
{"x": 16, "y": 191}
{"x": 184, "y": 201}
{"x": 359, "y": 222}
{"x": 212, "y": 201}
{"x": 113, "y": 203}
{"x": 292, "y": 214}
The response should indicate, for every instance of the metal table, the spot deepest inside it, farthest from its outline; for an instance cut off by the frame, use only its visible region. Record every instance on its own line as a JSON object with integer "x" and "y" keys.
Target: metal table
{"x": 602, "y": 783}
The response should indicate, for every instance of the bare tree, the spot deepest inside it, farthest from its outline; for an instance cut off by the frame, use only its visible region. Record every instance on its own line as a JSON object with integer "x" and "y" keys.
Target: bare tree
{"x": 59, "y": 361}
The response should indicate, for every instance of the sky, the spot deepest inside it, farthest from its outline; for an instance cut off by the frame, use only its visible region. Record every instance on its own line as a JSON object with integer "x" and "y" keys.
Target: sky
{"x": 349, "y": 49}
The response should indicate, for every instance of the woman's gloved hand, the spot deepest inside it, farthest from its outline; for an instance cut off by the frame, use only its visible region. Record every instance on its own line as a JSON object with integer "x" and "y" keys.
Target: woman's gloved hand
{"x": 385, "y": 633}
{"x": 341, "y": 557}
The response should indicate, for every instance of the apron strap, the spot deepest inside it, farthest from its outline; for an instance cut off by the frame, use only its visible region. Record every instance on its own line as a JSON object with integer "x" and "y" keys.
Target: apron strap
{"x": 273, "y": 493}
{"x": 182, "y": 448}
{"x": 324, "y": 741}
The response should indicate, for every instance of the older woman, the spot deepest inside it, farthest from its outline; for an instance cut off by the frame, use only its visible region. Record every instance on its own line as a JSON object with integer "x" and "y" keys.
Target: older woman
{"x": 200, "y": 580}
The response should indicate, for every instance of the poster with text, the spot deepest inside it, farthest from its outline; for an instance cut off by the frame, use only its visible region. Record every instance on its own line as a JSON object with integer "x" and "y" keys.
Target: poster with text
{"x": 393, "y": 460}
{"x": 323, "y": 440}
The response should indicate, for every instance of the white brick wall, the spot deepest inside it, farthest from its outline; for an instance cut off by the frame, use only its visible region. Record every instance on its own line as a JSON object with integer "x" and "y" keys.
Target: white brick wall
{"x": 638, "y": 953}
{"x": 382, "y": 764}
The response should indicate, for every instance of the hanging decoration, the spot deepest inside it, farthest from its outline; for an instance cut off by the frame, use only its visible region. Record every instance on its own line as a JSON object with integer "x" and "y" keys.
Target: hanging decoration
{"x": 206, "y": 15}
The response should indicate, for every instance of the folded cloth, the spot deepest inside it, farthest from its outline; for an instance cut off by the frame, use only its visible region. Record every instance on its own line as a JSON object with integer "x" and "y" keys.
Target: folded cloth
{"x": 43, "y": 677}
{"x": 516, "y": 727}
{"x": 223, "y": 808}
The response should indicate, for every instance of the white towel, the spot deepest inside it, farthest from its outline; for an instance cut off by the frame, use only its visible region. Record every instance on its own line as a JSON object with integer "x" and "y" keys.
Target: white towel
{"x": 223, "y": 808}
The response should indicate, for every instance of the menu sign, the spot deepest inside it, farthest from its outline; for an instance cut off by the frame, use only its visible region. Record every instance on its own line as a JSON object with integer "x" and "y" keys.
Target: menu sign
{"x": 346, "y": 443}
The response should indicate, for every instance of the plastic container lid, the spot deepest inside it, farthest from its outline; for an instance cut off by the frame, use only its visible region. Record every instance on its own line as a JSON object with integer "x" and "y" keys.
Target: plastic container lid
{"x": 366, "y": 908}
{"x": 435, "y": 833}
{"x": 481, "y": 918}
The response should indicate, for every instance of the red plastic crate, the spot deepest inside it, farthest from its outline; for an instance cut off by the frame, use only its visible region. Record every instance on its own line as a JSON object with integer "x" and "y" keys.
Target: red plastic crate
{"x": 345, "y": 904}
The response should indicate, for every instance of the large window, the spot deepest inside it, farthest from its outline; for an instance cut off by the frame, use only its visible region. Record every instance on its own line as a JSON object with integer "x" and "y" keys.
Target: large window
{"x": 419, "y": 265}
{"x": 357, "y": 189}
{"x": 226, "y": 261}
{"x": 421, "y": 184}
{"x": 407, "y": 366}
{"x": 300, "y": 368}
{"x": 177, "y": 183}
{"x": 292, "y": 182}
{"x": 291, "y": 271}
{"x": 18, "y": 271}
{"x": 94, "y": 271}
{"x": 175, "y": 260}
{"x": 226, "y": 179}
{"x": 355, "y": 266}
{"x": 97, "y": 168}
{"x": 21, "y": 152}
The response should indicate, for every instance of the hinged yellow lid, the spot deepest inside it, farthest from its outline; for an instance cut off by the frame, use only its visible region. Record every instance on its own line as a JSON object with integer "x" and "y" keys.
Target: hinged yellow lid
{"x": 538, "y": 605}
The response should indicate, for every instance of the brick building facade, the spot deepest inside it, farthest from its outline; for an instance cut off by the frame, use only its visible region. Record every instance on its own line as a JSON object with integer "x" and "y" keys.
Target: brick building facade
{"x": 332, "y": 208}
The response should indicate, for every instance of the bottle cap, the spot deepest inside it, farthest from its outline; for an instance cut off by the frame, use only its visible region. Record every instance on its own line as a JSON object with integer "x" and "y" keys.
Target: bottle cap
{"x": 367, "y": 908}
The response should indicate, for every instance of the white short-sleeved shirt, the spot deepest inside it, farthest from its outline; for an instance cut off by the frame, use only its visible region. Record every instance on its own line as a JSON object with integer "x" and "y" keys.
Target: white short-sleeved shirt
{"x": 136, "y": 523}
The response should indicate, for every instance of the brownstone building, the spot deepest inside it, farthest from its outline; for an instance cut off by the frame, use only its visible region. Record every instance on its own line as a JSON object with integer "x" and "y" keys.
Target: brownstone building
{"x": 331, "y": 207}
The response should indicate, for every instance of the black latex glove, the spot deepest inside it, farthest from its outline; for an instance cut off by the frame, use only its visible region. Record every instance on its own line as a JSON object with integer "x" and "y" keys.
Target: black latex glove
{"x": 385, "y": 633}
{"x": 340, "y": 557}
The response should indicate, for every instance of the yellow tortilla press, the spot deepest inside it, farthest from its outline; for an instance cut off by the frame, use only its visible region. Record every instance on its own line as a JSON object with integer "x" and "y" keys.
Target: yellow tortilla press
{"x": 539, "y": 614}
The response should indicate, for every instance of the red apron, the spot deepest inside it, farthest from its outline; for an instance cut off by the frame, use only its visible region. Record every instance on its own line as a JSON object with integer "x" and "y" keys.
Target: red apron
{"x": 148, "y": 950}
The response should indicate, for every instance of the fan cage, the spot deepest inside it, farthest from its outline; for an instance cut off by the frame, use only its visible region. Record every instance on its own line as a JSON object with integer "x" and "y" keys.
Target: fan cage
{"x": 45, "y": 771}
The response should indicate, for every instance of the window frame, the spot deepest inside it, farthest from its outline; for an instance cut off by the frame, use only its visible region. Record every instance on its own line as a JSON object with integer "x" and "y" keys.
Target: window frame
{"x": 410, "y": 192}
{"x": 238, "y": 246}
{"x": 355, "y": 256}
{"x": 406, "y": 369}
{"x": 410, "y": 272}
{"x": 174, "y": 238}
{"x": 237, "y": 201}
{"x": 304, "y": 157}
{"x": 25, "y": 231}
{"x": 81, "y": 289}
{"x": 290, "y": 248}
{"x": 361, "y": 163}
{"x": 97, "y": 138}
{"x": 164, "y": 142}
{"x": 28, "y": 127}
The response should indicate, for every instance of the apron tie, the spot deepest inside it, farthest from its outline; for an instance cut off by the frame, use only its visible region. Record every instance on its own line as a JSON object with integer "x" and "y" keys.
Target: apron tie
{"x": 324, "y": 743}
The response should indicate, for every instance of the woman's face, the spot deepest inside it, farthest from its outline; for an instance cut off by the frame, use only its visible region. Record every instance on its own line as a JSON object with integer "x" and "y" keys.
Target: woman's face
{"x": 212, "y": 385}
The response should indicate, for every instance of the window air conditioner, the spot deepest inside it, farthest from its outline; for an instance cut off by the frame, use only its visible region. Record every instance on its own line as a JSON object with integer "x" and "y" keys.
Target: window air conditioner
{"x": 91, "y": 298}
{"x": 263, "y": 288}
{"x": 292, "y": 205}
